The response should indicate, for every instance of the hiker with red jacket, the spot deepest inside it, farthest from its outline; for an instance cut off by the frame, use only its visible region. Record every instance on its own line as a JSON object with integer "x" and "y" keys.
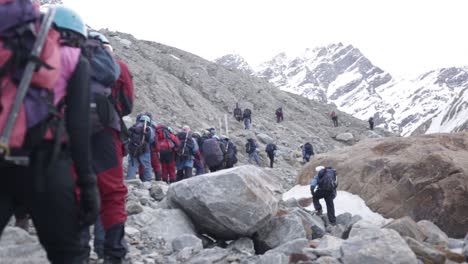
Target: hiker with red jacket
{"x": 36, "y": 158}
{"x": 167, "y": 144}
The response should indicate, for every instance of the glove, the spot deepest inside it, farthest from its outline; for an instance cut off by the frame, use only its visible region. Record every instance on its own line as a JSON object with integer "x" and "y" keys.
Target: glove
{"x": 90, "y": 202}
{"x": 312, "y": 190}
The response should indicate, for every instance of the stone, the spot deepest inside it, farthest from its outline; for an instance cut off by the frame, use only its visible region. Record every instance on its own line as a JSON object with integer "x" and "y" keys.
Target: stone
{"x": 132, "y": 232}
{"x": 187, "y": 241}
{"x": 344, "y": 219}
{"x": 407, "y": 227}
{"x": 370, "y": 244}
{"x": 329, "y": 246}
{"x": 433, "y": 233}
{"x": 227, "y": 204}
{"x": 243, "y": 245}
{"x": 345, "y": 137}
{"x": 211, "y": 255}
{"x": 264, "y": 138}
{"x": 455, "y": 243}
{"x": 158, "y": 190}
{"x": 295, "y": 246}
{"x": 425, "y": 253}
{"x": 327, "y": 260}
{"x": 273, "y": 258}
{"x": 133, "y": 207}
{"x": 278, "y": 231}
{"x": 312, "y": 222}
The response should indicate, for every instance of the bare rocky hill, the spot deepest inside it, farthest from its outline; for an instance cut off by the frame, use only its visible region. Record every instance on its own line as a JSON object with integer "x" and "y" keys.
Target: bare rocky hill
{"x": 181, "y": 88}
{"x": 424, "y": 177}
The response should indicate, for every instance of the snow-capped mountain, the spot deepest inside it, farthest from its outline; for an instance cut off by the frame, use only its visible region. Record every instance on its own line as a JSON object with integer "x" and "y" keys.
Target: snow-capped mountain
{"x": 235, "y": 61}
{"x": 342, "y": 75}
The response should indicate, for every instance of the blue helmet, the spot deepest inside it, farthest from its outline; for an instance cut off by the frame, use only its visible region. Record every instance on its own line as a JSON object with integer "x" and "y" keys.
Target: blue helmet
{"x": 98, "y": 36}
{"x": 144, "y": 118}
{"x": 68, "y": 19}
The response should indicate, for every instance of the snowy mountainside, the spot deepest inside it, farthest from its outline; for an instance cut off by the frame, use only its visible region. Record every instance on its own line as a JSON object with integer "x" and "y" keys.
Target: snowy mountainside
{"x": 342, "y": 75}
{"x": 235, "y": 61}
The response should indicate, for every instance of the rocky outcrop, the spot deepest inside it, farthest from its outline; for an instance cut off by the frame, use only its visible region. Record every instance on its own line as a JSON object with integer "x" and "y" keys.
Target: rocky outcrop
{"x": 228, "y": 204}
{"x": 422, "y": 177}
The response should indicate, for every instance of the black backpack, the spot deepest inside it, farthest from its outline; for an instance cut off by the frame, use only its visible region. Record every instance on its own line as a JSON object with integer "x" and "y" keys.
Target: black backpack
{"x": 212, "y": 152}
{"x": 138, "y": 139}
{"x": 270, "y": 148}
{"x": 247, "y": 113}
{"x": 308, "y": 149}
{"x": 231, "y": 151}
{"x": 186, "y": 145}
{"x": 250, "y": 147}
{"x": 327, "y": 179}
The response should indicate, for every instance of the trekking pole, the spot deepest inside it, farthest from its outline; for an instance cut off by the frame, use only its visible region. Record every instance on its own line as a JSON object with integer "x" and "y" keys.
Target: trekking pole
{"x": 25, "y": 82}
{"x": 226, "y": 123}
{"x": 185, "y": 143}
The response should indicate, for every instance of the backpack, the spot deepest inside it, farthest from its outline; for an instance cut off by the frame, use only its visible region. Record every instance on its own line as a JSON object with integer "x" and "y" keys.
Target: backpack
{"x": 308, "y": 149}
{"x": 19, "y": 26}
{"x": 270, "y": 148}
{"x": 185, "y": 149}
{"x": 327, "y": 179}
{"x": 138, "y": 139}
{"x": 279, "y": 111}
{"x": 212, "y": 152}
{"x": 231, "y": 151}
{"x": 104, "y": 73}
{"x": 247, "y": 113}
{"x": 250, "y": 147}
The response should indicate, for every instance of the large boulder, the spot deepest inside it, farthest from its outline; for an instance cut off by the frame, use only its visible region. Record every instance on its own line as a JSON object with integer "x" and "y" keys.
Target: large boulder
{"x": 433, "y": 233}
{"x": 424, "y": 177}
{"x": 426, "y": 253}
{"x": 227, "y": 204}
{"x": 405, "y": 226}
{"x": 373, "y": 245}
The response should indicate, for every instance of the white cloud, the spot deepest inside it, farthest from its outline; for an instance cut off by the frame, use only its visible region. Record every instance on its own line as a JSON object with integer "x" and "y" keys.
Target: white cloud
{"x": 399, "y": 36}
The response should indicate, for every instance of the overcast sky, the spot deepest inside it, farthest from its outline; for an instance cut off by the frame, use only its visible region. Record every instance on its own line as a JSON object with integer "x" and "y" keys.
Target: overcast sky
{"x": 400, "y": 36}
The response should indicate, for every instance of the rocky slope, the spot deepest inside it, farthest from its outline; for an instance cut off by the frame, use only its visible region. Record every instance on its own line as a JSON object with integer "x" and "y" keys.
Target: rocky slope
{"x": 423, "y": 177}
{"x": 342, "y": 75}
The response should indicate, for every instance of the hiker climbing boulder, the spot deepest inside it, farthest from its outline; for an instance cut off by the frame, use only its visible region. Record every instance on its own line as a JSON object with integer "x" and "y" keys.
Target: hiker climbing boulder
{"x": 227, "y": 204}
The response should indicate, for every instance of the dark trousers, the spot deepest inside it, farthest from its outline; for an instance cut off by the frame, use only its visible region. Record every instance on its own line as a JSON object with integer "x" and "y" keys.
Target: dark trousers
{"x": 99, "y": 238}
{"x": 272, "y": 159}
{"x": 335, "y": 121}
{"x": 371, "y": 126}
{"x": 328, "y": 196}
{"x": 185, "y": 173}
{"x": 49, "y": 198}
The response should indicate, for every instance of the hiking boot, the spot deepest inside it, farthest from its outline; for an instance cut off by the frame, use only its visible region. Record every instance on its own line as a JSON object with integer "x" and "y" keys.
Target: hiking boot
{"x": 318, "y": 212}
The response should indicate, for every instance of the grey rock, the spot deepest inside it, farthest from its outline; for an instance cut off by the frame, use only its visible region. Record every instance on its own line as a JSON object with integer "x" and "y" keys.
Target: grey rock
{"x": 243, "y": 245}
{"x": 407, "y": 227}
{"x": 312, "y": 222}
{"x": 424, "y": 252}
{"x": 227, "y": 204}
{"x": 433, "y": 233}
{"x": 279, "y": 230}
{"x": 290, "y": 203}
{"x": 291, "y": 247}
{"x": 132, "y": 232}
{"x": 264, "y": 138}
{"x": 159, "y": 190}
{"x": 336, "y": 230}
{"x": 309, "y": 254}
{"x": 327, "y": 260}
{"x": 372, "y": 245}
{"x": 329, "y": 246}
{"x": 187, "y": 241}
{"x": 133, "y": 207}
{"x": 455, "y": 243}
{"x": 344, "y": 219}
{"x": 345, "y": 137}
{"x": 211, "y": 255}
{"x": 273, "y": 258}
{"x": 18, "y": 247}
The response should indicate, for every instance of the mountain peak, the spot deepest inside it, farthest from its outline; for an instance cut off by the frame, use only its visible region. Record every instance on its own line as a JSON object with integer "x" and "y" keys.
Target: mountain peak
{"x": 234, "y": 61}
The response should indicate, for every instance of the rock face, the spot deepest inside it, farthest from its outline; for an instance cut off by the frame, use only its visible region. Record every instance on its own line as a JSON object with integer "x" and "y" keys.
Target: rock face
{"x": 227, "y": 204}
{"x": 422, "y": 177}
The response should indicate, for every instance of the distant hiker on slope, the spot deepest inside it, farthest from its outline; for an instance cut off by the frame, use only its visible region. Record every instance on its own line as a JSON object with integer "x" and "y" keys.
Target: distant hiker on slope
{"x": 279, "y": 115}
{"x": 238, "y": 113}
{"x": 307, "y": 152}
{"x": 326, "y": 181}
{"x": 371, "y": 123}
{"x": 35, "y": 157}
{"x": 251, "y": 148}
{"x": 271, "y": 152}
{"x": 247, "y": 116}
{"x": 185, "y": 153}
{"x": 334, "y": 118}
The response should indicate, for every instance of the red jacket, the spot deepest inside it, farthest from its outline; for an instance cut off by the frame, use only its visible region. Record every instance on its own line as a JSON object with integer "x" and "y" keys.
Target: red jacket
{"x": 123, "y": 91}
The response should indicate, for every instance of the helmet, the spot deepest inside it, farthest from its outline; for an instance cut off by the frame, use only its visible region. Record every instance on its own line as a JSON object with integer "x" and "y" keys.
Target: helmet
{"x": 224, "y": 137}
{"x": 170, "y": 129}
{"x": 216, "y": 137}
{"x": 144, "y": 118}
{"x": 319, "y": 168}
{"x": 212, "y": 130}
{"x": 98, "y": 36}
{"x": 196, "y": 134}
{"x": 68, "y": 19}
{"x": 186, "y": 128}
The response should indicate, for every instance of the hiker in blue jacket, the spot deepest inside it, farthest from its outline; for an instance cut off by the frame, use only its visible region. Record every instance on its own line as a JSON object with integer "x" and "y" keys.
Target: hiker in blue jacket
{"x": 326, "y": 184}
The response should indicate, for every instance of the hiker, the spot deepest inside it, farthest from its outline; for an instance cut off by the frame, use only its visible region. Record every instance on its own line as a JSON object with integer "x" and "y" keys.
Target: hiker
{"x": 155, "y": 162}
{"x": 334, "y": 118}
{"x": 247, "y": 117}
{"x": 251, "y": 149}
{"x": 271, "y": 152}
{"x": 110, "y": 83}
{"x": 230, "y": 151}
{"x": 238, "y": 113}
{"x": 307, "y": 152}
{"x": 213, "y": 154}
{"x": 141, "y": 137}
{"x": 326, "y": 181}
{"x": 279, "y": 114}
{"x": 47, "y": 135}
{"x": 371, "y": 123}
{"x": 185, "y": 153}
{"x": 167, "y": 146}
{"x": 198, "y": 163}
